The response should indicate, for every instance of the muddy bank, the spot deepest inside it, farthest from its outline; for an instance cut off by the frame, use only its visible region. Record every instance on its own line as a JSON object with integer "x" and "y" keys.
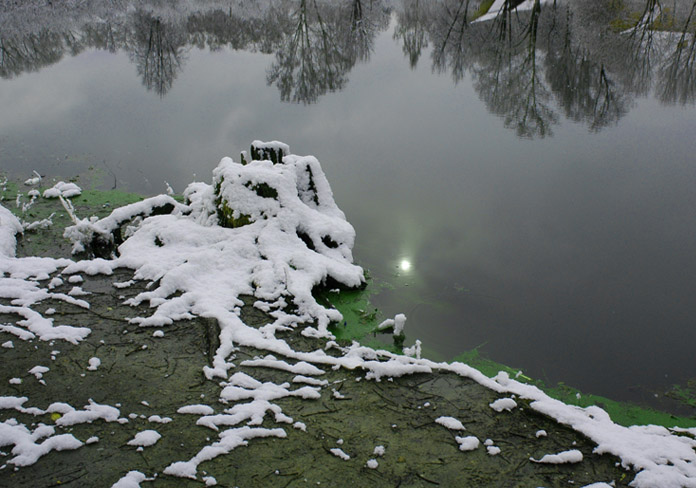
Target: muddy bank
{"x": 143, "y": 375}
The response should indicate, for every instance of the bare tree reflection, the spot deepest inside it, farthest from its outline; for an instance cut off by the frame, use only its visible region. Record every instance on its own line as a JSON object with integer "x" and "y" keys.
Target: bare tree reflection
{"x": 583, "y": 86}
{"x": 158, "y": 52}
{"x": 452, "y": 42}
{"x": 310, "y": 62}
{"x": 586, "y": 60}
{"x": 326, "y": 42}
{"x": 411, "y": 28}
{"x": 31, "y": 52}
{"x": 642, "y": 49}
{"x": 223, "y": 28}
{"x": 677, "y": 76}
{"x": 508, "y": 77}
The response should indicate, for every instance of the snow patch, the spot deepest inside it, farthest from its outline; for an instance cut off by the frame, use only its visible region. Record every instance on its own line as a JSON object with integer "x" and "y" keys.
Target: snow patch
{"x": 338, "y": 452}
{"x": 132, "y": 479}
{"x": 63, "y": 189}
{"x": 503, "y": 404}
{"x": 450, "y": 422}
{"x": 145, "y": 438}
{"x": 94, "y": 363}
{"x": 468, "y": 443}
{"x": 565, "y": 457}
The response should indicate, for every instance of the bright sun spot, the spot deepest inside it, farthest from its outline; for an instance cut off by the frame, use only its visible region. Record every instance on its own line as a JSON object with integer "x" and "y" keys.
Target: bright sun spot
{"x": 405, "y": 264}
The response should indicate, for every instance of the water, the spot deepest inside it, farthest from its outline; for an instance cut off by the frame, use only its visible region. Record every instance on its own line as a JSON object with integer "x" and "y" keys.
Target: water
{"x": 528, "y": 190}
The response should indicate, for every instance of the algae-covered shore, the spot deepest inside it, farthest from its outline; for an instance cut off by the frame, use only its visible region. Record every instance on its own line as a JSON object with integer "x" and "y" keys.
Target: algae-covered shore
{"x": 353, "y": 417}
{"x": 353, "y": 414}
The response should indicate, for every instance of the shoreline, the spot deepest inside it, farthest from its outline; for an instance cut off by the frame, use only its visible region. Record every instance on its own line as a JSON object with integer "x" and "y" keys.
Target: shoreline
{"x": 256, "y": 374}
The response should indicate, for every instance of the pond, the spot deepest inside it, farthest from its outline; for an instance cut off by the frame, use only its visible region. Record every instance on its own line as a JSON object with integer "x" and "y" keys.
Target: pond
{"x": 525, "y": 185}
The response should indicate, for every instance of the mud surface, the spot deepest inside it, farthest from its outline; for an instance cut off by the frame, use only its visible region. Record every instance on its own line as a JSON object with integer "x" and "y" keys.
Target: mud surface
{"x": 143, "y": 375}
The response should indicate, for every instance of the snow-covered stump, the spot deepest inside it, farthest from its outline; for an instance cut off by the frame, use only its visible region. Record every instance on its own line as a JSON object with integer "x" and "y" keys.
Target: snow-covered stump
{"x": 262, "y": 151}
{"x": 285, "y": 203}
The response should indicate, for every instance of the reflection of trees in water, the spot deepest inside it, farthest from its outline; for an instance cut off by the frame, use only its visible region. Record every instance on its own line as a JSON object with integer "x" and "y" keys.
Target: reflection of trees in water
{"x": 677, "y": 80}
{"x": 501, "y": 57}
{"x": 583, "y": 86}
{"x": 157, "y": 52}
{"x": 31, "y": 52}
{"x": 411, "y": 30}
{"x": 642, "y": 49}
{"x": 453, "y": 43}
{"x": 317, "y": 42}
{"x": 507, "y": 75}
{"x": 324, "y": 45}
{"x": 585, "y": 59}
{"x": 217, "y": 29}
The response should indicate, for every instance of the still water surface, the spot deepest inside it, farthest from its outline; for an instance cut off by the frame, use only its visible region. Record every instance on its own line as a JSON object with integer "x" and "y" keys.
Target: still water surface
{"x": 526, "y": 185}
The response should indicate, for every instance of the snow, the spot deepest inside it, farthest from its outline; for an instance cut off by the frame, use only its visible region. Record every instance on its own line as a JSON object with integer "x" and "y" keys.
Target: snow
{"x": 503, "y": 404}
{"x": 197, "y": 410}
{"x": 229, "y": 440}
{"x": 468, "y": 443}
{"x": 397, "y": 324}
{"x": 38, "y": 371}
{"x": 35, "y": 180}
{"x": 450, "y": 423}
{"x": 413, "y": 351}
{"x": 145, "y": 438}
{"x": 131, "y": 480}
{"x": 294, "y": 238}
{"x": 94, "y": 363}
{"x": 9, "y": 227}
{"x": 310, "y": 381}
{"x": 159, "y": 420}
{"x": 27, "y": 450}
{"x": 498, "y": 8}
{"x": 565, "y": 457}
{"x": 338, "y": 452}
{"x": 63, "y": 189}
{"x": 300, "y": 368}
{"x": 91, "y": 412}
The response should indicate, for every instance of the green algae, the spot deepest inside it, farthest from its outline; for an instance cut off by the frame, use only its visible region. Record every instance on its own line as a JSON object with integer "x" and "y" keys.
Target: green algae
{"x": 622, "y": 413}
{"x": 47, "y": 240}
{"x": 685, "y": 394}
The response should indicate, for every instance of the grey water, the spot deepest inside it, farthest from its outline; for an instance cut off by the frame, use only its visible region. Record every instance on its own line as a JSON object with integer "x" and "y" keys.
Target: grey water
{"x": 525, "y": 185}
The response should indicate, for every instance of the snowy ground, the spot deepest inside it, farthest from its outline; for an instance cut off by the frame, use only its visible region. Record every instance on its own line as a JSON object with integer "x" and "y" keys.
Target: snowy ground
{"x": 187, "y": 341}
